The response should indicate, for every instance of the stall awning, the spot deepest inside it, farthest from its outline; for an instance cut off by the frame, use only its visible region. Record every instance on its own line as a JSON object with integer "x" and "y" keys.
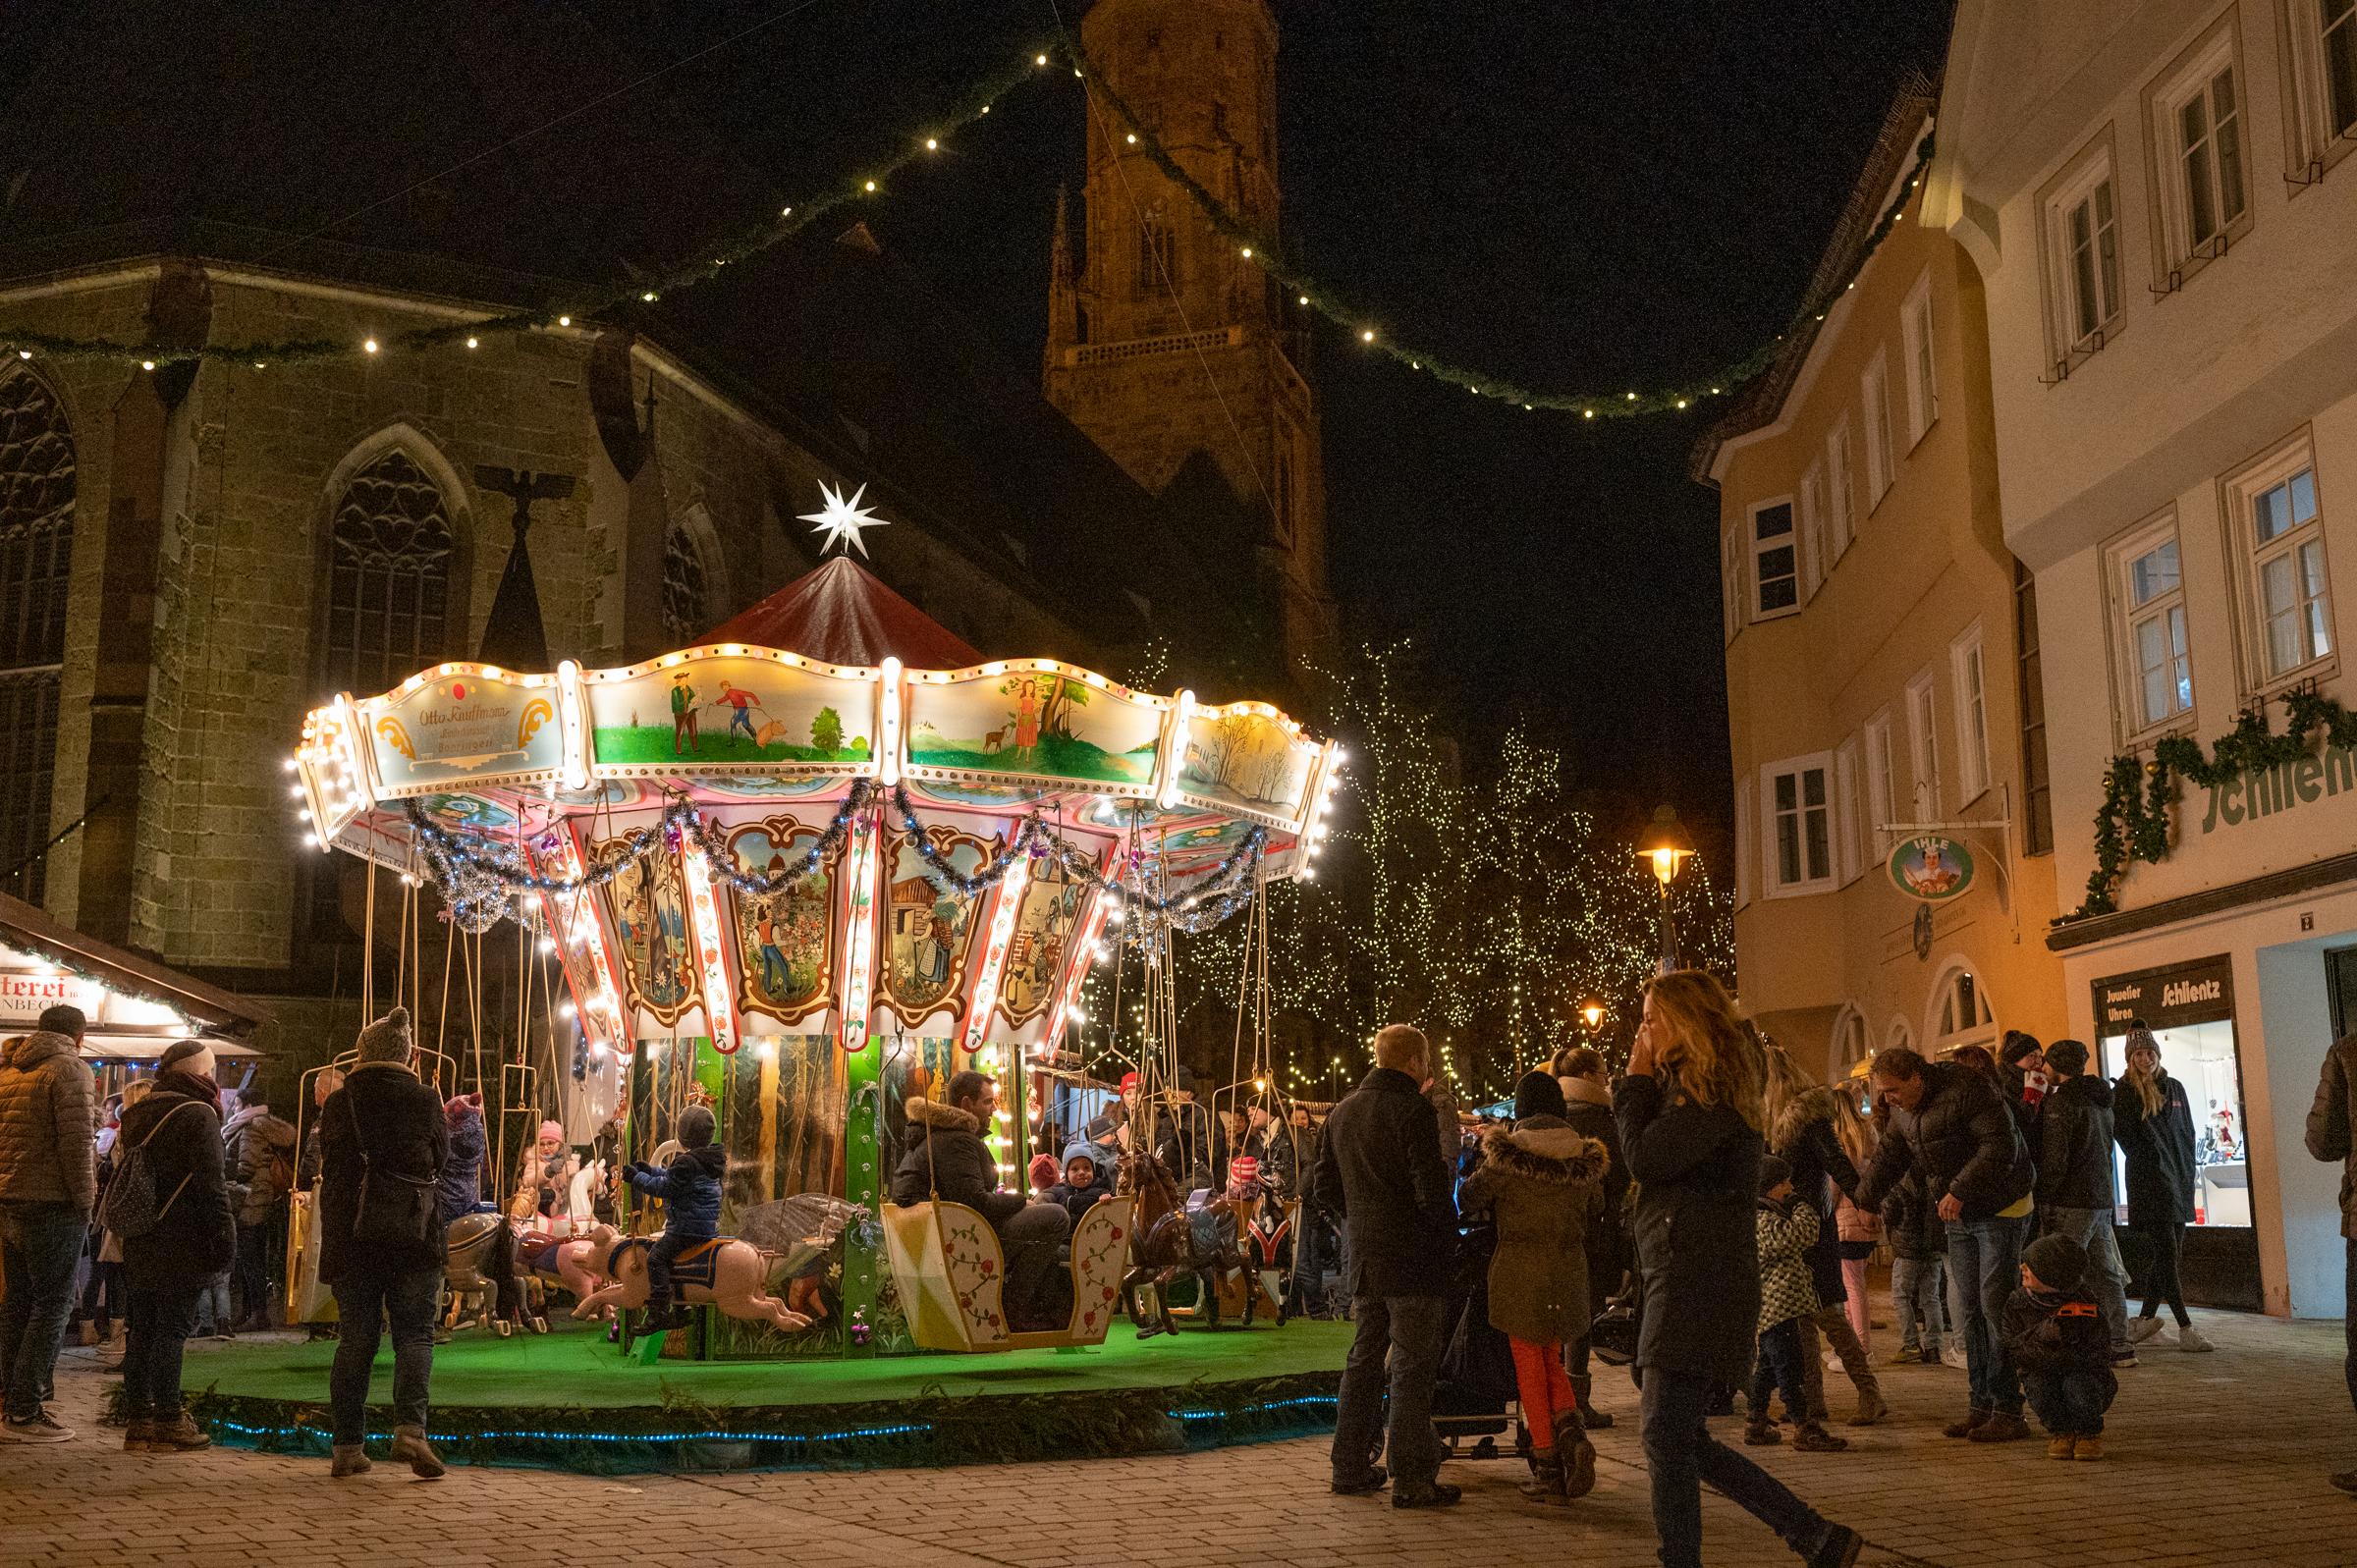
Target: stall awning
{"x": 136, "y": 1006}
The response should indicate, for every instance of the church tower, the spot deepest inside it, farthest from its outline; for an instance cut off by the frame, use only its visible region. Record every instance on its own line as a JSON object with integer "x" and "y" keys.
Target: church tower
{"x": 1166, "y": 345}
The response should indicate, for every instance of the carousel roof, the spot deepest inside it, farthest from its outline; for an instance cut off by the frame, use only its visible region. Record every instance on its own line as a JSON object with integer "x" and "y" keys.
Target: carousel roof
{"x": 842, "y": 614}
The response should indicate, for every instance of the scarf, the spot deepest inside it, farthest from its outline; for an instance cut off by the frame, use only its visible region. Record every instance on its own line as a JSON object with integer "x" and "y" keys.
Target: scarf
{"x": 195, "y": 1085}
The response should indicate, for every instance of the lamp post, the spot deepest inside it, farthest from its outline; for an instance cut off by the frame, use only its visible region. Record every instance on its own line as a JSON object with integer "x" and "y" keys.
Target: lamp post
{"x": 1666, "y": 847}
{"x": 1593, "y": 1011}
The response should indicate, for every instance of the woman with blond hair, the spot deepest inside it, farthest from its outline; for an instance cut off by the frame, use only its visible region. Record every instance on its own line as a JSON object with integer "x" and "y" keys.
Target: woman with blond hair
{"x": 1691, "y": 1120}
{"x": 2153, "y": 1123}
{"x": 1804, "y": 1130}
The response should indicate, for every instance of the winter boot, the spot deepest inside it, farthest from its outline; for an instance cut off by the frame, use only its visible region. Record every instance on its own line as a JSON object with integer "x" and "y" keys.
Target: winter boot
{"x": 135, "y": 1435}
{"x": 1813, "y": 1438}
{"x": 1761, "y": 1434}
{"x": 2060, "y": 1445}
{"x": 1974, "y": 1420}
{"x": 2001, "y": 1427}
{"x": 1578, "y": 1455}
{"x": 409, "y": 1446}
{"x": 351, "y": 1460}
{"x": 2089, "y": 1448}
{"x": 181, "y": 1437}
{"x": 1872, "y": 1407}
{"x": 1583, "y": 1385}
{"x": 1546, "y": 1482}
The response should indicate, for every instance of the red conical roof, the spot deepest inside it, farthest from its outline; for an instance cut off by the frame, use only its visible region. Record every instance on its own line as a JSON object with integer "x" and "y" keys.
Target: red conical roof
{"x": 843, "y": 615}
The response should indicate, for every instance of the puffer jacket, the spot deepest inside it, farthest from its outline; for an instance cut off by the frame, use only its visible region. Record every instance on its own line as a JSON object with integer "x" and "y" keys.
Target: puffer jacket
{"x": 689, "y": 1187}
{"x": 382, "y": 1118}
{"x": 253, "y": 1139}
{"x": 1803, "y": 1137}
{"x": 48, "y": 1123}
{"x": 1697, "y": 1175}
{"x": 2074, "y": 1145}
{"x": 1786, "y": 1233}
{"x": 1913, "y": 1221}
{"x": 946, "y": 1154}
{"x": 1962, "y": 1137}
{"x": 463, "y": 1173}
{"x": 2160, "y": 1151}
{"x": 1543, "y": 1183}
{"x": 196, "y": 1239}
{"x": 2331, "y": 1121}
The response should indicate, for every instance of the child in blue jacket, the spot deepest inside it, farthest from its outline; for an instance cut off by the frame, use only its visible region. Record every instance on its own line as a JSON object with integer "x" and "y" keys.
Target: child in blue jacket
{"x": 689, "y": 1187}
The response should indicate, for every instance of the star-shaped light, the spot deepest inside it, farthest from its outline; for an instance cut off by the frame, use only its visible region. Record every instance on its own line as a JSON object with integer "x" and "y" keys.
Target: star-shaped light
{"x": 840, "y": 521}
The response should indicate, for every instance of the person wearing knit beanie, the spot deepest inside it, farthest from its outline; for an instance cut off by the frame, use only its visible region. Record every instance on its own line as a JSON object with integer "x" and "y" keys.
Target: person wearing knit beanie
{"x": 2056, "y": 1336}
{"x": 1539, "y": 1095}
{"x": 387, "y": 1039}
{"x": 2060, "y": 1262}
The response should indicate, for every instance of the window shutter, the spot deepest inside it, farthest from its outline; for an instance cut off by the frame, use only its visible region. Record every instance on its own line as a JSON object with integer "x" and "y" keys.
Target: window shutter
{"x": 1846, "y": 824}
{"x": 1743, "y": 844}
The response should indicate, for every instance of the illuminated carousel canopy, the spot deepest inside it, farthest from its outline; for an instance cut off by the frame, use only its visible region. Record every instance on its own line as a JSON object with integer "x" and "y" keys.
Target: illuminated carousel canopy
{"x": 830, "y": 816}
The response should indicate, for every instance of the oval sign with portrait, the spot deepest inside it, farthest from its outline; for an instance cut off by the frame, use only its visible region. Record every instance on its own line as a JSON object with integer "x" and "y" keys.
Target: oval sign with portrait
{"x": 1931, "y": 867}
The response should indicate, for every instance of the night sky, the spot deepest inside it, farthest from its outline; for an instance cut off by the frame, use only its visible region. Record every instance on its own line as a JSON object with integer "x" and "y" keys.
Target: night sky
{"x": 1579, "y": 196}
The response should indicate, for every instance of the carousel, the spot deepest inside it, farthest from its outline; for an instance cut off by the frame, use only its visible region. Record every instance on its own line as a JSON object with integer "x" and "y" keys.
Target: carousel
{"x": 802, "y": 873}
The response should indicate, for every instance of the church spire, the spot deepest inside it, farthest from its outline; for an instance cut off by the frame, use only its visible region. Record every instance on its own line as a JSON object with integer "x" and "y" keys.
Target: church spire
{"x": 1064, "y": 299}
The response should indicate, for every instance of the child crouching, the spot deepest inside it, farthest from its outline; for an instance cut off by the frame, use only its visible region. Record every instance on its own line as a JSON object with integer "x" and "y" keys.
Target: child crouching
{"x": 1787, "y": 1295}
{"x": 2056, "y": 1334}
{"x": 689, "y": 1187}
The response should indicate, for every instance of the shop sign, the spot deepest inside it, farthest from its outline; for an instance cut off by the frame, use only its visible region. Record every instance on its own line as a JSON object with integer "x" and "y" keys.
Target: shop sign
{"x": 2201, "y": 991}
{"x": 25, "y": 994}
{"x": 1931, "y": 867}
{"x": 2304, "y": 781}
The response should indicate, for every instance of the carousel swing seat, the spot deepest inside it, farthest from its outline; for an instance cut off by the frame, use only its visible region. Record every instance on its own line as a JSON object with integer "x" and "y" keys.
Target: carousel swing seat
{"x": 951, "y": 1272}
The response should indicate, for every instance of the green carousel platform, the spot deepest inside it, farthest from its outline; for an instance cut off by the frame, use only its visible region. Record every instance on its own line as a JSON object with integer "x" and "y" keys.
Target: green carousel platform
{"x": 570, "y": 1400}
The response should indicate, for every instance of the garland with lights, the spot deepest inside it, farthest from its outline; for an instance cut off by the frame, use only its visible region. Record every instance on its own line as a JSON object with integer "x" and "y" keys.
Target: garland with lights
{"x": 1328, "y": 300}
{"x": 2133, "y": 823}
{"x": 943, "y": 872}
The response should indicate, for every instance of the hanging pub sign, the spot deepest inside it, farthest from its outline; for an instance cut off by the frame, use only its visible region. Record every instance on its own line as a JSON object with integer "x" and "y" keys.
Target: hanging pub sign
{"x": 1931, "y": 867}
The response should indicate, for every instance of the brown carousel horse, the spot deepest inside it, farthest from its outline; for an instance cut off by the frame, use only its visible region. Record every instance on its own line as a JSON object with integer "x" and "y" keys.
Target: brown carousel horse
{"x": 1168, "y": 1241}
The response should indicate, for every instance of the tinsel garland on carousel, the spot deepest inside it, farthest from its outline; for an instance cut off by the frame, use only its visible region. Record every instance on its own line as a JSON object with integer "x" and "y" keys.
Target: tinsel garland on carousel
{"x": 2134, "y": 820}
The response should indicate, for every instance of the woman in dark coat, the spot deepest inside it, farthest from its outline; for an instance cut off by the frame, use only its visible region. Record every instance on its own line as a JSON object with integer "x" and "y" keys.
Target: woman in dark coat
{"x": 1588, "y": 1107}
{"x": 1800, "y": 1132}
{"x": 177, "y": 1130}
{"x": 2151, "y": 1119}
{"x": 1691, "y": 1119}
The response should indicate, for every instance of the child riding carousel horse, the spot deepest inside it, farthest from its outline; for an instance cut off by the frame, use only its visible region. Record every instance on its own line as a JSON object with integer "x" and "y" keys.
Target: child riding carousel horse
{"x": 689, "y": 1187}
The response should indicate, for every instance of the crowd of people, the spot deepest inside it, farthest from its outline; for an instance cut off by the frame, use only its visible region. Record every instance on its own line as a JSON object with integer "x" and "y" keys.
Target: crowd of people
{"x": 1713, "y": 1192}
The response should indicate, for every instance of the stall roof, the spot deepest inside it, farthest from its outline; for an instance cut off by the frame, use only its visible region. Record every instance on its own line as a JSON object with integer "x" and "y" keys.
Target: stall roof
{"x": 208, "y": 1009}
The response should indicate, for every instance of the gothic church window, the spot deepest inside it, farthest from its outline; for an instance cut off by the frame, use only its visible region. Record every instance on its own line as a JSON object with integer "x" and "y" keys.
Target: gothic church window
{"x": 686, "y": 587}
{"x": 1157, "y": 254}
{"x": 391, "y": 549}
{"x": 37, "y": 557}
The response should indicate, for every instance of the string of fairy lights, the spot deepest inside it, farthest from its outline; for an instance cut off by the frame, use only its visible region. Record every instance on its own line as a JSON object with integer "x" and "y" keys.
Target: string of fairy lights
{"x": 585, "y": 305}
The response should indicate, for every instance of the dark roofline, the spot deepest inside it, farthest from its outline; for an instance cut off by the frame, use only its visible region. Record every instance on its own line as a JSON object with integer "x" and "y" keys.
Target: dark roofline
{"x": 1895, "y": 146}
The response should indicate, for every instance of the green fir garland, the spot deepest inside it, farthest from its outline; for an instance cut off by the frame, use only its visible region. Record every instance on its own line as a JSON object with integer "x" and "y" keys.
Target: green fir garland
{"x": 2134, "y": 821}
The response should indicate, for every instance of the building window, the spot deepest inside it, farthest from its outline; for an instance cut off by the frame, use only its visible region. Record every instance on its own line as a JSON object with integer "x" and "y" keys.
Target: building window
{"x": 37, "y": 487}
{"x": 1837, "y": 488}
{"x": 2324, "y": 40}
{"x": 1923, "y": 744}
{"x": 1775, "y": 567}
{"x": 391, "y": 549}
{"x": 1881, "y": 789}
{"x": 2278, "y": 542}
{"x": 1876, "y": 385}
{"x": 1962, "y": 1012}
{"x": 2037, "y": 790}
{"x": 1157, "y": 254}
{"x": 1922, "y": 385}
{"x": 1972, "y": 715}
{"x": 1847, "y": 861}
{"x": 2148, "y": 628}
{"x": 1797, "y": 824}
{"x": 1849, "y": 1043}
{"x": 2082, "y": 249}
{"x": 1815, "y": 552}
{"x": 2198, "y": 150}
{"x": 686, "y": 587}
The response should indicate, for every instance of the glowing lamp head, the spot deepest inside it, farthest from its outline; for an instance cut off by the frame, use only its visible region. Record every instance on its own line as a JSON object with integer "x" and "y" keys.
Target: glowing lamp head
{"x": 1666, "y": 845}
{"x": 1591, "y": 1011}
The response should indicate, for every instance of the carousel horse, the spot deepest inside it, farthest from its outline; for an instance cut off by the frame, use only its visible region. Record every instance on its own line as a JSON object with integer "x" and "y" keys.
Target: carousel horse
{"x": 727, "y": 1272}
{"x": 1167, "y": 1240}
{"x": 483, "y": 1280}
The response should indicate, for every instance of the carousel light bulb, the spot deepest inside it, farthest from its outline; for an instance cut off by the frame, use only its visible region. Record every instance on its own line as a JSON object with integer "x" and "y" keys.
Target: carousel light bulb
{"x": 546, "y": 946}
{"x": 296, "y": 792}
{"x": 310, "y": 841}
{"x": 565, "y": 1010}
{"x": 288, "y": 764}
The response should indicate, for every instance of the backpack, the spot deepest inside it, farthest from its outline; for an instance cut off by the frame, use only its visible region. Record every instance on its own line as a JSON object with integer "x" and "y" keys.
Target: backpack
{"x": 129, "y": 1208}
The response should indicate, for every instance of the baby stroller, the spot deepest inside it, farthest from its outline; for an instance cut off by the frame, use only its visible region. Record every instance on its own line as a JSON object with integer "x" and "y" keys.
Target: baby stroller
{"x": 1474, "y": 1400}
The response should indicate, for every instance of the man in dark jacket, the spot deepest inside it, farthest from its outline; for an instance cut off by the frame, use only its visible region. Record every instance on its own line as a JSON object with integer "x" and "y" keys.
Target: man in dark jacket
{"x": 1380, "y": 1167}
{"x": 946, "y": 1158}
{"x": 2074, "y": 1182}
{"x": 1314, "y": 1234}
{"x": 1193, "y": 1145}
{"x": 48, "y": 1186}
{"x": 1951, "y": 1125}
{"x": 2333, "y": 1135}
{"x": 194, "y": 1242}
{"x": 383, "y": 1138}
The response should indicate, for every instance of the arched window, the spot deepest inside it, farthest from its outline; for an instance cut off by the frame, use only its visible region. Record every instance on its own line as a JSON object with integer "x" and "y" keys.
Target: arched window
{"x": 36, "y": 560}
{"x": 1961, "y": 1013}
{"x": 686, "y": 586}
{"x": 390, "y": 556}
{"x": 1157, "y": 254}
{"x": 1899, "y": 1035}
{"x": 1849, "y": 1040}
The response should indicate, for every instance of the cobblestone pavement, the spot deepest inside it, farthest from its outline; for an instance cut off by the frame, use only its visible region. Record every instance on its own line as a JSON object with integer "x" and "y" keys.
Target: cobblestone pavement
{"x": 2215, "y": 1460}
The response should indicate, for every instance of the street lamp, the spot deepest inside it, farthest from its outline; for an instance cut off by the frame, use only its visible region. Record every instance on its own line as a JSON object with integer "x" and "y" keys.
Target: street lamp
{"x": 1666, "y": 847}
{"x": 1593, "y": 1011}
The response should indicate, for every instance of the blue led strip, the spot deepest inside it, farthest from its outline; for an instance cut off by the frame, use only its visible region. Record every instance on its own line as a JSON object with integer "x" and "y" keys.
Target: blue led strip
{"x": 906, "y": 1429}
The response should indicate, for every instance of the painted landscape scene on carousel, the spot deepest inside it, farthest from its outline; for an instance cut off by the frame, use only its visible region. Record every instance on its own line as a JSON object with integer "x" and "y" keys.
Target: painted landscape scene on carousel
{"x": 1043, "y": 723}
{"x": 1248, "y": 760}
{"x": 726, "y": 710}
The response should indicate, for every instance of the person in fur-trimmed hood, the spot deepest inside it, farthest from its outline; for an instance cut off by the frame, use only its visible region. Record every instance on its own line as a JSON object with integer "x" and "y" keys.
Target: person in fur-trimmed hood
{"x": 946, "y": 1158}
{"x": 1543, "y": 1185}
